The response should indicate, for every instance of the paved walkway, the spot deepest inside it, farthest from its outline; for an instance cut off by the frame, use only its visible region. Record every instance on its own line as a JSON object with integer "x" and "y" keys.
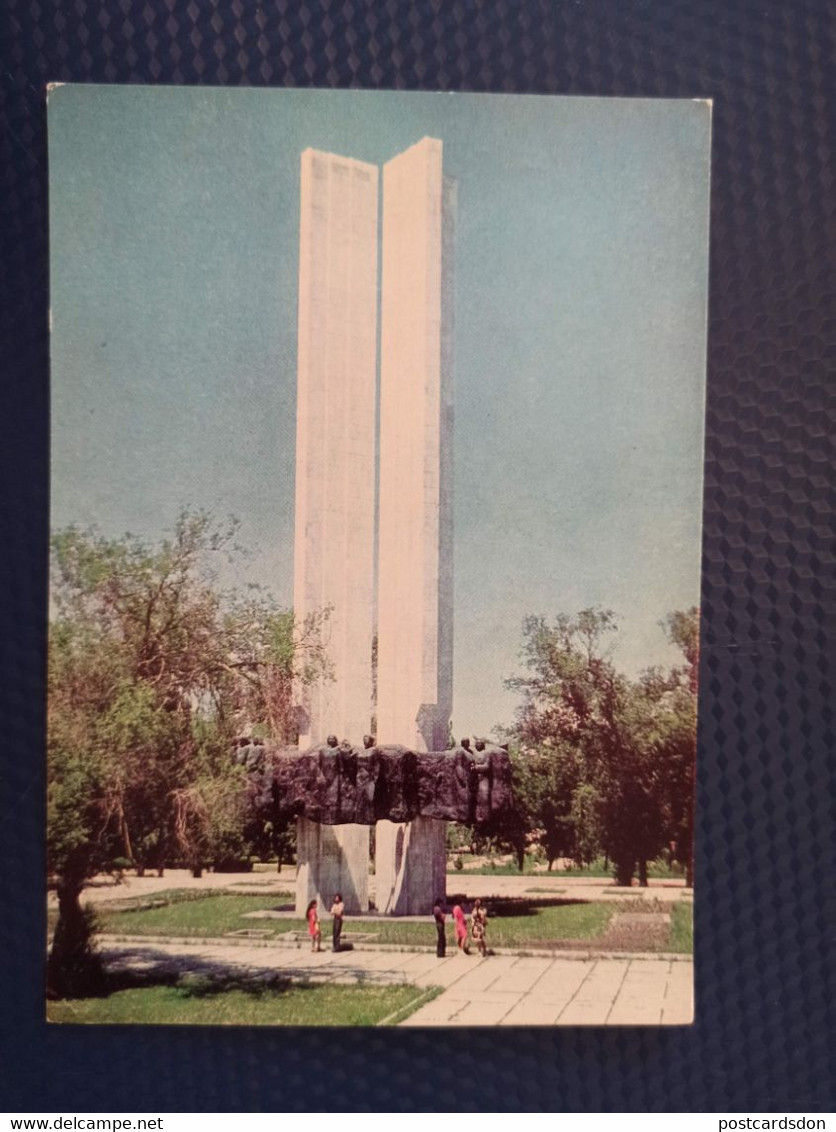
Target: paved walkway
{"x": 511, "y": 991}
{"x": 500, "y": 990}
{"x": 537, "y": 885}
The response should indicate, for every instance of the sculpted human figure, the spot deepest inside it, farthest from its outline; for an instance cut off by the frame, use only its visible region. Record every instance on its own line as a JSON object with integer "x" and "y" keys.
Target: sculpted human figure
{"x": 334, "y": 784}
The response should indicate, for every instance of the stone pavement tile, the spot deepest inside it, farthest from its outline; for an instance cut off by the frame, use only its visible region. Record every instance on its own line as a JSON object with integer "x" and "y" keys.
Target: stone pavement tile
{"x": 312, "y": 959}
{"x": 563, "y": 977}
{"x": 440, "y": 1011}
{"x": 594, "y": 998}
{"x": 421, "y": 964}
{"x": 638, "y": 1013}
{"x": 379, "y": 960}
{"x": 340, "y": 968}
{"x": 430, "y": 1022}
{"x": 678, "y": 1007}
{"x": 550, "y": 994}
{"x": 645, "y": 973}
{"x": 531, "y": 1010}
{"x": 533, "y": 961}
{"x": 523, "y": 978}
{"x": 256, "y": 957}
{"x": 678, "y": 1013}
{"x": 421, "y": 1019}
{"x": 359, "y": 977}
{"x": 495, "y": 996}
{"x": 486, "y": 1010}
{"x": 447, "y": 972}
{"x": 449, "y": 1010}
{"x": 406, "y": 960}
{"x": 642, "y": 994}
{"x": 347, "y": 958}
{"x": 376, "y": 974}
{"x": 480, "y": 974}
{"x": 682, "y": 976}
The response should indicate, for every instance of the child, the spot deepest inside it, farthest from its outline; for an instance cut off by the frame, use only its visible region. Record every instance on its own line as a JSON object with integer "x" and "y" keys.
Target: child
{"x": 478, "y": 924}
{"x": 314, "y": 930}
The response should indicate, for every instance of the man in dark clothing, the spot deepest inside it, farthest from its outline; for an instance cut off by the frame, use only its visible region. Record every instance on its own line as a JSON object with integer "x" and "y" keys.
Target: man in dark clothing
{"x": 440, "y": 916}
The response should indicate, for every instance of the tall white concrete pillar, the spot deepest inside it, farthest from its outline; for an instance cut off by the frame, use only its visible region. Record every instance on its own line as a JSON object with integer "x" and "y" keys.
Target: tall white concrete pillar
{"x": 414, "y": 673}
{"x": 335, "y": 484}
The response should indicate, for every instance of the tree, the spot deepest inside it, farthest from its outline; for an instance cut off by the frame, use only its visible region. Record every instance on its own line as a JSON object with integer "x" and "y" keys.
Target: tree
{"x": 607, "y": 762}
{"x": 683, "y": 630}
{"x": 568, "y": 692}
{"x": 546, "y": 779}
{"x": 623, "y": 770}
{"x": 678, "y": 738}
{"x": 153, "y": 671}
{"x": 269, "y": 656}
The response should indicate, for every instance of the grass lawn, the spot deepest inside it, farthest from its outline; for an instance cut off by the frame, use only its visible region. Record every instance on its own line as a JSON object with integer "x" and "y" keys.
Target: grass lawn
{"x": 206, "y": 913}
{"x": 160, "y": 906}
{"x": 513, "y": 922}
{"x": 549, "y": 922}
{"x": 195, "y": 1001}
{"x": 682, "y": 928}
{"x": 501, "y": 867}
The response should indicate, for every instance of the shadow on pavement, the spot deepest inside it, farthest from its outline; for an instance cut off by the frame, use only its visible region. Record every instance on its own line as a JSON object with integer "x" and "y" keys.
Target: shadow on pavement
{"x": 499, "y": 906}
{"x": 129, "y": 968}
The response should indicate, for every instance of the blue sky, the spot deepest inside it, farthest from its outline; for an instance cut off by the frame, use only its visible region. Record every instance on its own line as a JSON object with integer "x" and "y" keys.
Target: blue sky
{"x": 581, "y": 273}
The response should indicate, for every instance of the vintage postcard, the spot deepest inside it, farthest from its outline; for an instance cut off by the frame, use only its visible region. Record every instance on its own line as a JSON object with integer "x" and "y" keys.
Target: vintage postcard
{"x": 377, "y": 449}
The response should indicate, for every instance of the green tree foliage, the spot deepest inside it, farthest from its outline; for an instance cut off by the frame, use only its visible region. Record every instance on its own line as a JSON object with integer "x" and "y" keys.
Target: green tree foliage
{"x": 677, "y": 743}
{"x": 153, "y": 671}
{"x": 546, "y": 777}
{"x": 603, "y": 763}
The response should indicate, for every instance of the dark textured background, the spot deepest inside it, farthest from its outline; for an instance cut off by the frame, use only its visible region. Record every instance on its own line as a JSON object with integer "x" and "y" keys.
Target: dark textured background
{"x": 766, "y": 915}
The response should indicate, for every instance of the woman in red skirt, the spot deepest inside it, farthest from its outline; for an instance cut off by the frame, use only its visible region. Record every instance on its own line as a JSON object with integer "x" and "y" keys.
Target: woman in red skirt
{"x": 461, "y": 929}
{"x": 314, "y": 930}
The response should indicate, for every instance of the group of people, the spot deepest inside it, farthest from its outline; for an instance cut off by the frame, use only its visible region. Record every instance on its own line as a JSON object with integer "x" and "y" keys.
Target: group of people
{"x": 477, "y": 932}
{"x": 315, "y": 928}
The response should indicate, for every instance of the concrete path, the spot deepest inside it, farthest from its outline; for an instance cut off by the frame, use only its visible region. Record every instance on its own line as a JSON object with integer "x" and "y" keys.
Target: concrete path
{"x": 510, "y": 991}
{"x": 103, "y": 889}
{"x": 500, "y": 990}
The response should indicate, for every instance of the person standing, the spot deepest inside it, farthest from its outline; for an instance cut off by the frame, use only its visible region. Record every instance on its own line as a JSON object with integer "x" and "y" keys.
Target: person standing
{"x": 440, "y": 916}
{"x": 314, "y": 927}
{"x": 461, "y": 929}
{"x": 478, "y": 926}
{"x": 337, "y": 911}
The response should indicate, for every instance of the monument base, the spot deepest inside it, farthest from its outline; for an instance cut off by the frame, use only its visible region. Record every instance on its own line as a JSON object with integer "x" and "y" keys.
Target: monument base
{"x": 410, "y": 866}
{"x": 331, "y": 859}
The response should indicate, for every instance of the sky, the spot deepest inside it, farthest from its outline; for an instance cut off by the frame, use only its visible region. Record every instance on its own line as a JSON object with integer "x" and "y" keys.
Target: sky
{"x": 581, "y": 263}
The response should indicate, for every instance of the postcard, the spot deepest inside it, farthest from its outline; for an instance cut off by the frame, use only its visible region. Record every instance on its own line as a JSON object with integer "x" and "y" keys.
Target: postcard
{"x": 377, "y": 453}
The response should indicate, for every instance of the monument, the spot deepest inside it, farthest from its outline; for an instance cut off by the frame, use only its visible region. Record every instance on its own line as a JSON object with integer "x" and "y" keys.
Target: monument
{"x": 335, "y": 496}
{"x": 335, "y": 485}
